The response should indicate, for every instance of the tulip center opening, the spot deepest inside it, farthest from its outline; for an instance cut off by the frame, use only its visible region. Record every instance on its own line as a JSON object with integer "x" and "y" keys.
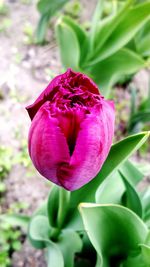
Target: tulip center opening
{"x": 71, "y": 100}
{"x": 69, "y": 122}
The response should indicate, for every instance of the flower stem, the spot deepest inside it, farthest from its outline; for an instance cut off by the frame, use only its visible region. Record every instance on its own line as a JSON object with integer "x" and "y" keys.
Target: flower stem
{"x": 64, "y": 198}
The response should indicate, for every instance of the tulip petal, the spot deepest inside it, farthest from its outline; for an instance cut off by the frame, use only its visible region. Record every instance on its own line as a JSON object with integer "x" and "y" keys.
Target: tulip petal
{"x": 92, "y": 147}
{"x": 66, "y": 78}
{"x": 44, "y": 96}
{"x": 48, "y": 147}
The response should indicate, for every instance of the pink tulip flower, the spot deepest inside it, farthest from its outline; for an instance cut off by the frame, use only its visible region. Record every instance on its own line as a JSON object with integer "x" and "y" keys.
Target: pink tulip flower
{"x": 71, "y": 131}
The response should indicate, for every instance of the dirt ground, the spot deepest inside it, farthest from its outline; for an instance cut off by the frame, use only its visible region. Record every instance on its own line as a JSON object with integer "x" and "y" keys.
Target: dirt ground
{"x": 25, "y": 70}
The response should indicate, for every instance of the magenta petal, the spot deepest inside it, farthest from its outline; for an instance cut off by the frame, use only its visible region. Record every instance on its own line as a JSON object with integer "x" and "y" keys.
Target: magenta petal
{"x": 70, "y": 77}
{"x": 92, "y": 147}
{"x": 47, "y": 145}
{"x": 71, "y": 131}
{"x": 32, "y": 109}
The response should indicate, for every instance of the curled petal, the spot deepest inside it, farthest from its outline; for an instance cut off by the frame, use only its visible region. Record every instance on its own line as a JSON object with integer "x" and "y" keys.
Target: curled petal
{"x": 48, "y": 147}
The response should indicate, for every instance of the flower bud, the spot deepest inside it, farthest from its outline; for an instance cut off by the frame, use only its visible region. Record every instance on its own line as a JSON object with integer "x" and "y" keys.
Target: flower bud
{"x": 71, "y": 131}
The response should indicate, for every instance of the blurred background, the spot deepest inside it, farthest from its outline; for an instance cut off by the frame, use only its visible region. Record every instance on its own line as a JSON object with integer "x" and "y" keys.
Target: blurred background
{"x": 107, "y": 40}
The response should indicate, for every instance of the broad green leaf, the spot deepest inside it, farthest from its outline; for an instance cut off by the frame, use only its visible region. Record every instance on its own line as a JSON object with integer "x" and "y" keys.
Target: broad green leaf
{"x": 119, "y": 188}
{"x": 142, "y": 259}
{"x": 145, "y": 198}
{"x": 118, "y": 154}
{"x": 54, "y": 256}
{"x": 130, "y": 199}
{"x": 68, "y": 45}
{"x": 15, "y": 220}
{"x": 109, "y": 25}
{"x": 69, "y": 243}
{"x": 143, "y": 167}
{"x": 39, "y": 232}
{"x": 133, "y": 20}
{"x": 50, "y": 6}
{"x": 107, "y": 72}
{"x": 80, "y": 32}
{"x": 132, "y": 172}
{"x": 110, "y": 190}
{"x": 81, "y": 36}
{"x": 146, "y": 254}
{"x": 114, "y": 231}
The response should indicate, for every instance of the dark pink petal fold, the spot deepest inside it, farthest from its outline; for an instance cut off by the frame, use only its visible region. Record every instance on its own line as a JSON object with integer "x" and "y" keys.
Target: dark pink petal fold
{"x": 71, "y": 130}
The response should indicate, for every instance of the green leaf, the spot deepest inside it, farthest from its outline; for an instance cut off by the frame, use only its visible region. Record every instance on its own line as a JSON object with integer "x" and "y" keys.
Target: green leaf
{"x": 142, "y": 40}
{"x": 143, "y": 47}
{"x": 146, "y": 254}
{"x": 107, "y": 72}
{"x": 16, "y": 220}
{"x": 132, "y": 172}
{"x": 130, "y": 198}
{"x": 118, "y": 154}
{"x": 39, "y": 232}
{"x": 95, "y": 20}
{"x": 54, "y": 256}
{"x": 140, "y": 259}
{"x": 131, "y": 23}
{"x": 47, "y": 8}
{"x": 108, "y": 192}
{"x": 114, "y": 231}
{"x": 50, "y": 6}
{"x": 139, "y": 117}
{"x": 80, "y": 32}
{"x": 145, "y": 198}
{"x": 81, "y": 36}
{"x": 108, "y": 25}
{"x": 41, "y": 29}
{"x": 69, "y": 243}
{"x": 125, "y": 179}
{"x": 68, "y": 45}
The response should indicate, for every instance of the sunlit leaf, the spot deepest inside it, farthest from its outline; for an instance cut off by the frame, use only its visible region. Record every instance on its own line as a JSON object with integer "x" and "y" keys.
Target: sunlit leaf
{"x": 107, "y": 72}
{"x": 118, "y": 154}
{"x": 130, "y": 198}
{"x": 114, "y": 231}
{"x": 133, "y": 20}
{"x": 69, "y": 243}
{"x": 39, "y": 231}
{"x": 68, "y": 44}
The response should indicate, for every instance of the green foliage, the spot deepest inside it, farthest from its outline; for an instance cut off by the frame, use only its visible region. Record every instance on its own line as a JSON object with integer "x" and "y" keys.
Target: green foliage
{"x": 10, "y": 236}
{"x": 8, "y": 160}
{"x": 5, "y": 25}
{"x": 5, "y": 167}
{"x": 115, "y": 221}
{"x": 10, "y": 241}
{"x": 115, "y": 46}
{"x": 29, "y": 34}
{"x": 47, "y": 9}
{"x": 73, "y": 9}
{"x": 3, "y": 8}
{"x": 117, "y": 236}
{"x": 139, "y": 115}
